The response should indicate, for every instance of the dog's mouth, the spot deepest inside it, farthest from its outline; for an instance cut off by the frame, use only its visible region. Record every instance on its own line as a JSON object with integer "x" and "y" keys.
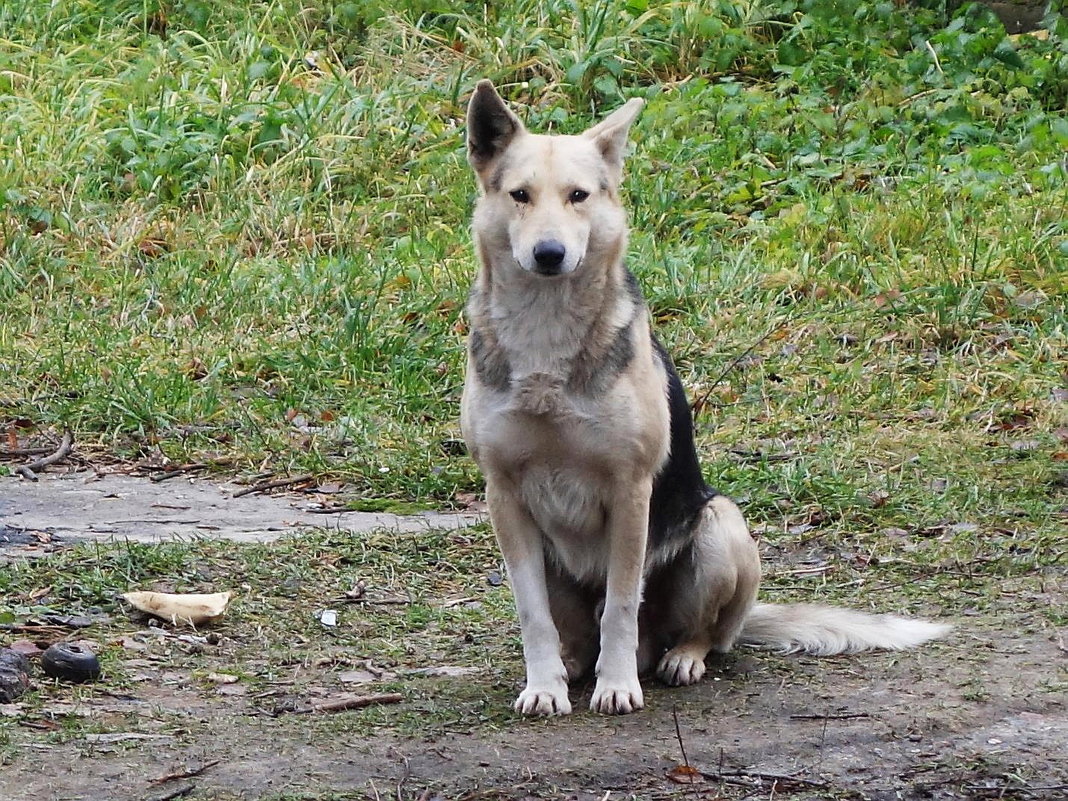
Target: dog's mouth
{"x": 549, "y": 270}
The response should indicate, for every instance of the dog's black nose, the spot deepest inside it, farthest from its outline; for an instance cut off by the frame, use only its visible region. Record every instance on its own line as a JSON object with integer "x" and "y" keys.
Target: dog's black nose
{"x": 549, "y": 255}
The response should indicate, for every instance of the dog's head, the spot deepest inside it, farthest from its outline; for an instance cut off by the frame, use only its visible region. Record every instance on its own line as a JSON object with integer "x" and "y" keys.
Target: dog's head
{"x": 549, "y": 204}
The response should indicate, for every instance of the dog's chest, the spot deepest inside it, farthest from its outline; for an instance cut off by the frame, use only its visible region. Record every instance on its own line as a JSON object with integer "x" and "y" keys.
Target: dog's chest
{"x": 568, "y": 458}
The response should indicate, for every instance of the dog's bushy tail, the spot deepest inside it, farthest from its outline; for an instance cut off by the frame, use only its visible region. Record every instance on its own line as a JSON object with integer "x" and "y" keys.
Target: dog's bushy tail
{"x": 826, "y": 630}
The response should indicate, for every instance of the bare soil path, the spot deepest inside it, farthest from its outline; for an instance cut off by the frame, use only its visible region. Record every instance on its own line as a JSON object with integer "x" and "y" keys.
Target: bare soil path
{"x": 982, "y": 715}
{"x": 85, "y": 505}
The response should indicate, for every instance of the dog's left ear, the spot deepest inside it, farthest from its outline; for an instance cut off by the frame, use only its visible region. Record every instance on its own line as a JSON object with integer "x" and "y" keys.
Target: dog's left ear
{"x": 610, "y": 134}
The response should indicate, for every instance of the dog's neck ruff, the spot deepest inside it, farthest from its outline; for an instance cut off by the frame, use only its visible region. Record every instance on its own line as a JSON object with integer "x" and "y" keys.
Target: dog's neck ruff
{"x": 572, "y": 331}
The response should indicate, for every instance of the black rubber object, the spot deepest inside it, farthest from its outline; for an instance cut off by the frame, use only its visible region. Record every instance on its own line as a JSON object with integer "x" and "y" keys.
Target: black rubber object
{"x": 70, "y": 661}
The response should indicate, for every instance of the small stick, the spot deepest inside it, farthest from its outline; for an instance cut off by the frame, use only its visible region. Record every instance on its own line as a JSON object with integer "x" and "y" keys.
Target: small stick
{"x": 457, "y": 602}
{"x": 800, "y": 571}
{"x": 177, "y": 471}
{"x": 678, "y": 735}
{"x": 29, "y": 628}
{"x": 185, "y": 774}
{"x": 269, "y": 485}
{"x": 355, "y": 702}
{"x": 376, "y": 601}
{"x": 22, "y": 453}
{"x": 62, "y": 452}
{"x": 699, "y": 404}
{"x": 770, "y": 777}
{"x": 843, "y": 716}
{"x": 177, "y": 792}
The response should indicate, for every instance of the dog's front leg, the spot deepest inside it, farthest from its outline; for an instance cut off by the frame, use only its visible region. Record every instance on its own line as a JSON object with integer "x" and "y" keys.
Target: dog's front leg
{"x": 524, "y": 554}
{"x": 618, "y": 691}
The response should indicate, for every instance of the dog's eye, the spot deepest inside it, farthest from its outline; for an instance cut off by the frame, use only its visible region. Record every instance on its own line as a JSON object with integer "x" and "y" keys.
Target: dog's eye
{"x": 578, "y": 195}
{"x": 520, "y": 196}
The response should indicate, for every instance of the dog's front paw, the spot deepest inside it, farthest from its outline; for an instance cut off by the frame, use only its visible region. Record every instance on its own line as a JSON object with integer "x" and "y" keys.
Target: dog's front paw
{"x": 617, "y": 698}
{"x": 543, "y": 701}
{"x": 680, "y": 667}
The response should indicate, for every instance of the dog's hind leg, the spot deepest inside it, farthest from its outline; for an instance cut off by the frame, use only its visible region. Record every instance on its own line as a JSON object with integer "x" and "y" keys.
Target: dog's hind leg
{"x": 575, "y": 611}
{"x": 713, "y": 597}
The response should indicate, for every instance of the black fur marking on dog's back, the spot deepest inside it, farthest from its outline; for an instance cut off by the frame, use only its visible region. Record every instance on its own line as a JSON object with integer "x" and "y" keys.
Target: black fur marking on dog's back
{"x": 679, "y": 490}
{"x": 490, "y": 363}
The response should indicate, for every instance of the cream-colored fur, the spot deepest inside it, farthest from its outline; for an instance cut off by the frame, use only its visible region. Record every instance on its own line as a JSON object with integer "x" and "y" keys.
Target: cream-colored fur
{"x": 565, "y": 409}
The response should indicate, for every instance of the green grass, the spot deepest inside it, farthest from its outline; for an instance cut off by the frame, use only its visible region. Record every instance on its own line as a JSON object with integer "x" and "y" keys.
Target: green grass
{"x": 238, "y": 231}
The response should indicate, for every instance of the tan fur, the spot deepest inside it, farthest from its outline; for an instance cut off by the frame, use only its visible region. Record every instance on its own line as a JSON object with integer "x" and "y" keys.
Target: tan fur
{"x": 565, "y": 409}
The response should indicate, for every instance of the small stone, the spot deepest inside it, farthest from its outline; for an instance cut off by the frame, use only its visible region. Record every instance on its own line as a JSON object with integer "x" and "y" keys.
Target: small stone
{"x": 14, "y": 675}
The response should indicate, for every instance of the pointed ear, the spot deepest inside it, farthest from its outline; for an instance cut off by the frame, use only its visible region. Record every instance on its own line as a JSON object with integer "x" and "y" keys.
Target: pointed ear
{"x": 610, "y": 134}
{"x": 491, "y": 125}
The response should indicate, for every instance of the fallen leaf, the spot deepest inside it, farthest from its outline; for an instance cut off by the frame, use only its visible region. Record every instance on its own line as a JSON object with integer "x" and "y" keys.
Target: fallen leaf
{"x": 684, "y": 774}
{"x": 878, "y": 498}
{"x": 26, "y": 648}
{"x": 470, "y": 502}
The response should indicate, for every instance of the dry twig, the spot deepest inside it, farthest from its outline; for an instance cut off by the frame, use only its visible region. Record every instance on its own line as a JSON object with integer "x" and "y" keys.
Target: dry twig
{"x": 177, "y": 792}
{"x": 22, "y": 453}
{"x": 270, "y": 485}
{"x": 699, "y": 404}
{"x": 350, "y": 702}
{"x": 184, "y": 774}
{"x": 177, "y": 471}
{"x": 66, "y": 445}
{"x": 832, "y": 716}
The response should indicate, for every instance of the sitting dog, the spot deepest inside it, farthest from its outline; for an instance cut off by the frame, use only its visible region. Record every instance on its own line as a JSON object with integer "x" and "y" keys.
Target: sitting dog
{"x": 620, "y": 556}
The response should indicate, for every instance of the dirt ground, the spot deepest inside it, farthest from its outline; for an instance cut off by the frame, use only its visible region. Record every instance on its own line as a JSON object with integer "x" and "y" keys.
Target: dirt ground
{"x": 983, "y": 714}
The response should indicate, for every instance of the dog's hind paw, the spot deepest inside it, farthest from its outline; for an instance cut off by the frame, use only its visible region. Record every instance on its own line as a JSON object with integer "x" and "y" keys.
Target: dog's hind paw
{"x": 680, "y": 667}
{"x": 618, "y": 700}
{"x": 543, "y": 701}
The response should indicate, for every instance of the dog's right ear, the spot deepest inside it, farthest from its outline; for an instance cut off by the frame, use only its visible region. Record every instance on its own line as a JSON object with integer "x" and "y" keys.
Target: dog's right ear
{"x": 491, "y": 125}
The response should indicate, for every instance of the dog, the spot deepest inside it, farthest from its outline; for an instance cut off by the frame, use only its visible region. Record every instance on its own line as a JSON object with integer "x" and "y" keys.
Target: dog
{"x": 621, "y": 558}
